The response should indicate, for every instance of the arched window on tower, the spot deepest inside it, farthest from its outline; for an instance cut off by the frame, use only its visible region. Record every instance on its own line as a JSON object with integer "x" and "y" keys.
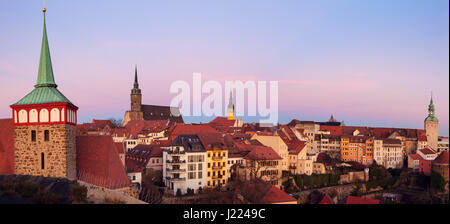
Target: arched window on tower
{"x": 54, "y": 115}
{"x": 33, "y": 116}
{"x": 23, "y": 116}
{"x": 43, "y": 116}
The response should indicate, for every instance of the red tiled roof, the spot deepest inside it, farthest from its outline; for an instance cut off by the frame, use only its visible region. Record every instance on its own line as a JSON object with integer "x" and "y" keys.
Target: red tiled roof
{"x": 132, "y": 166}
{"x": 296, "y": 147}
{"x": 162, "y": 143}
{"x": 415, "y": 156}
{"x": 442, "y": 158}
{"x": 262, "y": 153}
{"x": 334, "y": 130}
{"x": 222, "y": 124}
{"x": 352, "y": 200}
{"x": 6, "y": 146}
{"x": 211, "y": 139}
{"x": 275, "y": 195}
{"x": 119, "y": 147}
{"x": 191, "y": 129}
{"x": 136, "y": 127}
{"x": 98, "y": 162}
{"x": 427, "y": 151}
{"x": 154, "y": 151}
{"x": 326, "y": 201}
{"x": 421, "y": 135}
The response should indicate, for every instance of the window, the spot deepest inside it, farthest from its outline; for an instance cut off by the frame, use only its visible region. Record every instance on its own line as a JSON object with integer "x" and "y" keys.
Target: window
{"x": 200, "y": 166}
{"x": 46, "y": 135}
{"x": 42, "y": 161}
{"x": 200, "y": 175}
{"x": 33, "y": 136}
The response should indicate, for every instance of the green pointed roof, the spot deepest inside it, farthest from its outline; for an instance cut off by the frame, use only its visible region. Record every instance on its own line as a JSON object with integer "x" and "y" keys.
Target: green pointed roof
{"x": 431, "y": 116}
{"x": 45, "y": 90}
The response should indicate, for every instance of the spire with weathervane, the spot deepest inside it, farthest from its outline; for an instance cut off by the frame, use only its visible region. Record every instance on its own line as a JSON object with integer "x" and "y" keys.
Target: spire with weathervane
{"x": 431, "y": 111}
{"x": 136, "y": 89}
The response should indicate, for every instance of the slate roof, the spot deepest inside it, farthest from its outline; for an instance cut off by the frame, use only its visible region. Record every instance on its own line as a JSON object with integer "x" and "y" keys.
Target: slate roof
{"x": 153, "y": 112}
{"x": 191, "y": 143}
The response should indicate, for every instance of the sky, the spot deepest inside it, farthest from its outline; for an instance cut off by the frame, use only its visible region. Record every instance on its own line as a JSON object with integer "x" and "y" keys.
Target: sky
{"x": 370, "y": 63}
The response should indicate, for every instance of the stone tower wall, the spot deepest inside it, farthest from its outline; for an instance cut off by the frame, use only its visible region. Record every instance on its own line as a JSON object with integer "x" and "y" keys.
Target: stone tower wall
{"x": 59, "y": 151}
{"x": 432, "y": 132}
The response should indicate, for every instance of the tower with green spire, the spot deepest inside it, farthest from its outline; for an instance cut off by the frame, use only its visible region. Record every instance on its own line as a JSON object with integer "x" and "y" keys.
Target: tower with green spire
{"x": 432, "y": 126}
{"x": 45, "y": 126}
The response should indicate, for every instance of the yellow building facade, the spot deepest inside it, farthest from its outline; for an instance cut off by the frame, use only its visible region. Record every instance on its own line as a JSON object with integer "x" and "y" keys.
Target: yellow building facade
{"x": 216, "y": 167}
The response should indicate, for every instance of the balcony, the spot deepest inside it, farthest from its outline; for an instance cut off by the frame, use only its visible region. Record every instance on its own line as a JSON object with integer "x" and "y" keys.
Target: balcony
{"x": 176, "y": 152}
{"x": 175, "y": 170}
{"x": 175, "y": 179}
{"x": 217, "y": 158}
{"x": 292, "y": 167}
{"x": 217, "y": 167}
{"x": 217, "y": 177}
{"x": 176, "y": 161}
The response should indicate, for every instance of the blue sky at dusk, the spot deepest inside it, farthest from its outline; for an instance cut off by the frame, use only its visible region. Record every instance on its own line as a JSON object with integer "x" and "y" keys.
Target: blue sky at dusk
{"x": 368, "y": 62}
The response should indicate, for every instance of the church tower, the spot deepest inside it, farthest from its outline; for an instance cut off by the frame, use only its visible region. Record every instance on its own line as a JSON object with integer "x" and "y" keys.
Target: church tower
{"x": 45, "y": 126}
{"x": 136, "y": 95}
{"x": 230, "y": 111}
{"x": 136, "y": 112}
{"x": 432, "y": 126}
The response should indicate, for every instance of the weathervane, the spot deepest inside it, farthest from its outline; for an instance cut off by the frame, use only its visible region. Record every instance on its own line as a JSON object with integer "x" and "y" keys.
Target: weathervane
{"x": 44, "y": 9}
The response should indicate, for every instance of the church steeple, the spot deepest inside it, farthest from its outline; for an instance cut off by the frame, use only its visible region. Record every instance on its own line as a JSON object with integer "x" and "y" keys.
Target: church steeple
{"x": 136, "y": 89}
{"x": 45, "y": 75}
{"x": 230, "y": 112}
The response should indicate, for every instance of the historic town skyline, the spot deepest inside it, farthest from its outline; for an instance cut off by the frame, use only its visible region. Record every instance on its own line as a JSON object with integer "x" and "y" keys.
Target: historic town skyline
{"x": 370, "y": 77}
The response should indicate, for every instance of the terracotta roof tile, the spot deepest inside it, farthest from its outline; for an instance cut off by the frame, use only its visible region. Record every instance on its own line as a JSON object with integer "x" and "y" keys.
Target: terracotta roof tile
{"x": 442, "y": 158}
{"x": 262, "y": 153}
{"x": 427, "y": 151}
{"x": 6, "y": 146}
{"x": 326, "y": 201}
{"x": 275, "y": 195}
{"x": 416, "y": 157}
{"x": 351, "y": 200}
{"x": 98, "y": 162}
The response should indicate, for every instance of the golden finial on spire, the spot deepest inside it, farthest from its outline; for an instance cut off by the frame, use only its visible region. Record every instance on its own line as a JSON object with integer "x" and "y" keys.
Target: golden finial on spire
{"x": 44, "y": 9}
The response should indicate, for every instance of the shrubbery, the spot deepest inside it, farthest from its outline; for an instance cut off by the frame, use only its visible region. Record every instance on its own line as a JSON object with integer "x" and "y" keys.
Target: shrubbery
{"x": 316, "y": 180}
